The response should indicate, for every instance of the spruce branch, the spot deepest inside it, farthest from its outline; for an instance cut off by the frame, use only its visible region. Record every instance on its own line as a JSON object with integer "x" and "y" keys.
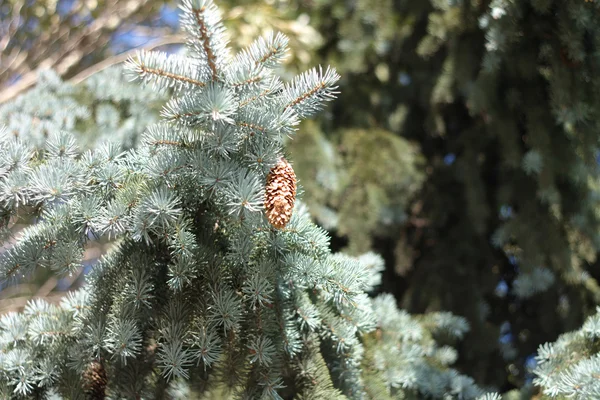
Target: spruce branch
{"x": 268, "y": 51}
{"x": 261, "y": 351}
{"x": 307, "y": 92}
{"x": 249, "y": 69}
{"x": 207, "y": 345}
{"x": 244, "y": 196}
{"x": 216, "y": 103}
{"x": 165, "y": 71}
{"x": 226, "y": 310}
{"x": 164, "y": 135}
{"x": 123, "y": 339}
{"x": 175, "y": 360}
{"x": 202, "y": 20}
{"x": 263, "y": 92}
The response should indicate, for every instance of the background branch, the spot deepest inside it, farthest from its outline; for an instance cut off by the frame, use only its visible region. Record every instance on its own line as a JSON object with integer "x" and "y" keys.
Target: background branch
{"x": 37, "y": 37}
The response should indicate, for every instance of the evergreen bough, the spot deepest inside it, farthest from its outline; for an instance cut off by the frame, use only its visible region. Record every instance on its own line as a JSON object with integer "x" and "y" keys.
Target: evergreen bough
{"x": 92, "y": 111}
{"x": 200, "y": 297}
{"x": 570, "y": 367}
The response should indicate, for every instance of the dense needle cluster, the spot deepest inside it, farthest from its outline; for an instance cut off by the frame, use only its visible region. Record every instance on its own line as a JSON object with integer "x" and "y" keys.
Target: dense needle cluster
{"x": 280, "y": 194}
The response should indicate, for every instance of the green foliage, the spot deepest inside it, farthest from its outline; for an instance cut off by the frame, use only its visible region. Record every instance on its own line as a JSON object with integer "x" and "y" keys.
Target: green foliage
{"x": 569, "y": 368}
{"x": 364, "y": 190}
{"x": 403, "y": 357}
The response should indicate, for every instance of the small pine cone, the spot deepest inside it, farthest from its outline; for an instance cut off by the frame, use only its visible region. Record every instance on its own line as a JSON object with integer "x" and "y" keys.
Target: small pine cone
{"x": 280, "y": 194}
{"x": 94, "y": 381}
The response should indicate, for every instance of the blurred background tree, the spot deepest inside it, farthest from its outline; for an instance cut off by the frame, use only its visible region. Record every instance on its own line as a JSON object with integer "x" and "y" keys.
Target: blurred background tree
{"x": 67, "y": 36}
{"x": 499, "y": 103}
{"x": 463, "y": 147}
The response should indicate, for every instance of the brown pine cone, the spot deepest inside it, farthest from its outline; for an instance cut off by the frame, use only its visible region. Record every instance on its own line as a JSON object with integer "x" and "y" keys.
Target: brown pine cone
{"x": 280, "y": 194}
{"x": 94, "y": 381}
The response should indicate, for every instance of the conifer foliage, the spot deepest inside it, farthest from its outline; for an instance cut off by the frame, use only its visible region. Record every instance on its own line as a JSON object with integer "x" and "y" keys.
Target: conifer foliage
{"x": 201, "y": 296}
{"x": 91, "y": 111}
{"x": 569, "y": 367}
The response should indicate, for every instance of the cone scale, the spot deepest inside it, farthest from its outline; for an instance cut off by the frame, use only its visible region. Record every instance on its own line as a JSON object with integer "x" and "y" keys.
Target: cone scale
{"x": 95, "y": 381}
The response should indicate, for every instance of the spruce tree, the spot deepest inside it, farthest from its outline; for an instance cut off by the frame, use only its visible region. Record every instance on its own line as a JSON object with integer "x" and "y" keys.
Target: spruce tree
{"x": 218, "y": 285}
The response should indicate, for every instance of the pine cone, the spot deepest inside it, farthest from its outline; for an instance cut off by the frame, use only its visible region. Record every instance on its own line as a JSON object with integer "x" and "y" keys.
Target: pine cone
{"x": 280, "y": 194}
{"x": 94, "y": 381}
